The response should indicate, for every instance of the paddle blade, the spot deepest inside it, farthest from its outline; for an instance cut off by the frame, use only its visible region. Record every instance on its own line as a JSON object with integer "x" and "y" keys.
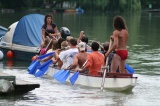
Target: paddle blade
{"x": 74, "y": 78}
{"x": 62, "y": 77}
{"x": 46, "y": 55}
{"x": 129, "y": 69}
{"x": 57, "y": 74}
{"x": 33, "y": 67}
{"x": 42, "y": 69}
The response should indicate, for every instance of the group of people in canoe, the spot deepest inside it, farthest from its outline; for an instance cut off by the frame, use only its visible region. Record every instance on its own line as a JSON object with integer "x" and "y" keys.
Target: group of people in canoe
{"x": 71, "y": 53}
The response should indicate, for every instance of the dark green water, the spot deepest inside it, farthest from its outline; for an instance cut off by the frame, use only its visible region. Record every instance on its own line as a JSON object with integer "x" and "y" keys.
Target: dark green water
{"x": 144, "y": 56}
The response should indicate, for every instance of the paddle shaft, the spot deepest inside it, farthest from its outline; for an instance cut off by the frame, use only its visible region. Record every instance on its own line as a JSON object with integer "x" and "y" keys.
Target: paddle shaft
{"x": 48, "y": 44}
{"x": 104, "y": 74}
{"x": 50, "y": 36}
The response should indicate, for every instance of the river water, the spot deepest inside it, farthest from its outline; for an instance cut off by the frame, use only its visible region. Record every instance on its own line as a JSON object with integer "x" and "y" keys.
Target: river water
{"x": 144, "y": 56}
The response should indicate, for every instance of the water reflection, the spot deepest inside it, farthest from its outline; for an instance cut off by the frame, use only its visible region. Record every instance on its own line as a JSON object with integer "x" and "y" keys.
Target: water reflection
{"x": 144, "y": 56}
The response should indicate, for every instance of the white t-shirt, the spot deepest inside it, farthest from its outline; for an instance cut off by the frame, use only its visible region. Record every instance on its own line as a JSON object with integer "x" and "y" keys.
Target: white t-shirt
{"x": 67, "y": 57}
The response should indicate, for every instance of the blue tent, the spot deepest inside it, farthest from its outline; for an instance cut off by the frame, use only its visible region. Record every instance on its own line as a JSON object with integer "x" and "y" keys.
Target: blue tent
{"x": 28, "y": 30}
{"x": 3, "y": 31}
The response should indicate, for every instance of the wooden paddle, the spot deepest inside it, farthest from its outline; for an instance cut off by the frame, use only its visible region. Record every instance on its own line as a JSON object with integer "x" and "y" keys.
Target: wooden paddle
{"x": 104, "y": 73}
{"x": 51, "y": 36}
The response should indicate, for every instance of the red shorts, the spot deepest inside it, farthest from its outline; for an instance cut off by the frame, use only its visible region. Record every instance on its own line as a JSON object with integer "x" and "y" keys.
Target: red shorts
{"x": 122, "y": 53}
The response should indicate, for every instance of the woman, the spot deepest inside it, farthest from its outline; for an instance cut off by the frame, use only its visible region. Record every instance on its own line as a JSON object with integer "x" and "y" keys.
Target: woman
{"x": 49, "y": 29}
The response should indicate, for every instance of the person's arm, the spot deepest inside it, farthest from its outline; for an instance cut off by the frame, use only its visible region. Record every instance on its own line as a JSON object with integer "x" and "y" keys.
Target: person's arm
{"x": 43, "y": 34}
{"x": 75, "y": 62}
{"x": 81, "y": 35}
{"x": 115, "y": 44}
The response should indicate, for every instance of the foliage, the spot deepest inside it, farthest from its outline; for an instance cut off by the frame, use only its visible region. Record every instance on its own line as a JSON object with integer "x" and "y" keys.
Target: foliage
{"x": 92, "y": 5}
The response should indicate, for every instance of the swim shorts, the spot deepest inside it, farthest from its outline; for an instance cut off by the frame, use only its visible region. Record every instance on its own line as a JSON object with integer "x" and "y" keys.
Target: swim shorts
{"x": 122, "y": 53}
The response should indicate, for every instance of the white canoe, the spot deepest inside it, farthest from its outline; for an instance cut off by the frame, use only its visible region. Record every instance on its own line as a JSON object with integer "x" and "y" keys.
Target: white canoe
{"x": 113, "y": 81}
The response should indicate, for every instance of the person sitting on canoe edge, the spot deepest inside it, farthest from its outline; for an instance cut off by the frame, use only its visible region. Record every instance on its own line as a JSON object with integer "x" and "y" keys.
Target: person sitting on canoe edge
{"x": 81, "y": 57}
{"x": 95, "y": 61}
{"x": 49, "y": 29}
{"x": 120, "y": 38}
{"x": 66, "y": 57}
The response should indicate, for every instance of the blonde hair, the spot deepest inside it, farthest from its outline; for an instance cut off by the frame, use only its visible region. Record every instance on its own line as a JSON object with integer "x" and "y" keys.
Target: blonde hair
{"x": 68, "y": 38}
{"x": 64, "y": 44}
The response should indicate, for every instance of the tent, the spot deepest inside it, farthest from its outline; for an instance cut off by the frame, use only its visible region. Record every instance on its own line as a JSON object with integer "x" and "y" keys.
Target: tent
{"x": 28, "y": 30}
{"x": 24, "y": 37}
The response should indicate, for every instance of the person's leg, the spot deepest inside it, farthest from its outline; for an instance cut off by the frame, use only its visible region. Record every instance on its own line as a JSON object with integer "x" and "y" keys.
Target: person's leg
{"x": 115, "y": 63}
{"x": 122, "y": 66}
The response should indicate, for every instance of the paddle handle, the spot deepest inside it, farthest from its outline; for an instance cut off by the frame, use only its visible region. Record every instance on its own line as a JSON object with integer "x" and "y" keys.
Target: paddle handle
{"x": 104, "y": 74}
{"x": 84, "y": 63}
{"x": 51, "y": 36}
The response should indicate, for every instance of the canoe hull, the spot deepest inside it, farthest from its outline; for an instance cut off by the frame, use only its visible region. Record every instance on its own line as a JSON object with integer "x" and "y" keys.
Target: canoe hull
{"x": 113, "y": 81}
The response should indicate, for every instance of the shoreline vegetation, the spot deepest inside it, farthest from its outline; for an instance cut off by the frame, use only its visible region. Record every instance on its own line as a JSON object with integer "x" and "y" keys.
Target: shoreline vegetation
{"x": 61, "y": 10}
{"x": 87, "y": 5}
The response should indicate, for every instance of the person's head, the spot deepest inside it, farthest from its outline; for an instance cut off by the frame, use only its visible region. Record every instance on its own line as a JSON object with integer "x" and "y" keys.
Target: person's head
{"x": 46, "y": 42}
{"x": 95, "y": 46}
{"x": 73, "y": 42}
{"x": 68, "y": 38}
{"x": 64, "y": 44}
{"x": 119, "y": 23}
{"x": 48, "y": 19}
{"x": 60, "y": 40}
{"x": 54, "y": 44}
{"x": 106, "y": 46}
{"x": 82, "y": 46}
{"x": 85, "y": 39}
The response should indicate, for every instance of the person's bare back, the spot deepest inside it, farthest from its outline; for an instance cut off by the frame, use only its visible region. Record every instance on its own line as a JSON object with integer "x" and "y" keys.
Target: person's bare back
{"x": 82, "y": 57}
{"x": 122, "y": 38}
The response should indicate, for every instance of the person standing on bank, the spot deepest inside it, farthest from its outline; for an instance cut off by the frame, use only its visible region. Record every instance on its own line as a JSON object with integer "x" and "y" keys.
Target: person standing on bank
{"x": 49, "y": 29}
{"x": 120, "y": 39}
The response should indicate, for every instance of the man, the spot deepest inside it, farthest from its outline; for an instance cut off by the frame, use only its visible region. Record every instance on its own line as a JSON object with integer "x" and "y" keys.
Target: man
{"x": 81, "y": 57}
{"x": 95, "y": 60}
{"x": 120, "y": 38}
{"x": 67, "y": 56}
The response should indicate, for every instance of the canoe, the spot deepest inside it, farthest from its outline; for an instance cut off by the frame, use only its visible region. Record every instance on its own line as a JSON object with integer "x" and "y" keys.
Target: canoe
{"x": 113, "y": 81}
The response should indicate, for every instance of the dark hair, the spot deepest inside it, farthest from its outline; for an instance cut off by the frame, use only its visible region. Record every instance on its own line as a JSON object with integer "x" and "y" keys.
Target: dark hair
{"x": 60, "y": 40}
{"x": 84, "y": 39}
{"x": 106, "y": 46}
{"x": 95, "y": 46}
{"x": 45, "y": 19}
{"x": 73, "y": 41}
{"x": 119, "y": 23}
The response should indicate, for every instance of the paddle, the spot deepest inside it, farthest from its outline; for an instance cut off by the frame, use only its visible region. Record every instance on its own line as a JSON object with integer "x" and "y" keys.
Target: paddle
{"x": 42, "y": 69}
{"x": 51, "y": 36}
{"x": 104, "y": 74}
{"x": 74, "y": 77}
{"x": 45, "y": 55}
{"x": 57, "y": 74}
{"x": 36, "y": 63}
{"x": 129, "y": 69}
{"x": 32, "y": 68}
{"x": 63, "y": 76}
